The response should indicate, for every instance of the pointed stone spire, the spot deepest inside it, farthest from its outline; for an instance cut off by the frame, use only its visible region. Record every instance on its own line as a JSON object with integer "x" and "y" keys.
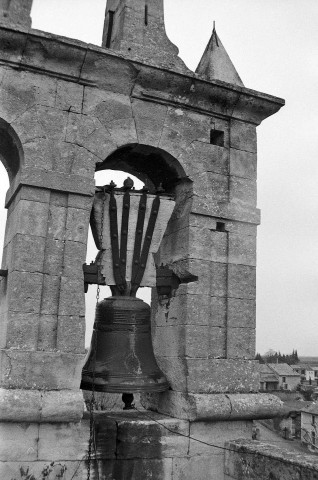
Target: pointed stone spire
{"x": 215, "y": 63}
{"x": 136, "y": 29}
{"x": 16, "y": 12}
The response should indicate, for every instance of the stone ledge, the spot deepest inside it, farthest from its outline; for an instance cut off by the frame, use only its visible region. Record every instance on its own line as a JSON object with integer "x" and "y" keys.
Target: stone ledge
{"x": 249, "y": 459}
{"x": 214, "y": 407}
{"x": 58, "y": 181}
{"x": 41, "y": 406}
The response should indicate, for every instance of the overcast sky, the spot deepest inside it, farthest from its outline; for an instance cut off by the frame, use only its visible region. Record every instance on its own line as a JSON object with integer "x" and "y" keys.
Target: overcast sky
{"x": 273, "y": 45}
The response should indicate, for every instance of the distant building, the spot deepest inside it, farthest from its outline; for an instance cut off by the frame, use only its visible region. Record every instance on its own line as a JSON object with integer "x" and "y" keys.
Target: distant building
{"x": 309, "y": 427}
{"x": 278, "y": 376}
{"x": 307, "y": 372}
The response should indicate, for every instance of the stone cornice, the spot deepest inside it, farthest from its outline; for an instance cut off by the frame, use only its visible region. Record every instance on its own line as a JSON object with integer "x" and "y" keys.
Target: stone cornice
{"x": 94, "y": 66}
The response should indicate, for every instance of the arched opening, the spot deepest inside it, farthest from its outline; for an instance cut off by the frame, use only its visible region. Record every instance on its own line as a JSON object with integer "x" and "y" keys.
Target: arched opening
{"x": 11, "y": 151}
{"x": 11, "y": 158}
{"x": 147, "y": 166}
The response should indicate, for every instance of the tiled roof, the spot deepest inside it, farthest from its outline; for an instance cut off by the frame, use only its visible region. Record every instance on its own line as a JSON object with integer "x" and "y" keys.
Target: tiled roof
{"x": 313, "y": 409}
{"x": 283, "y": 369}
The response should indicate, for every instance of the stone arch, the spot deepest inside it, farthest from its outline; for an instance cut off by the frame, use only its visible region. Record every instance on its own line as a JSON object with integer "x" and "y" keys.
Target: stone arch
{"x": 150, "y": 164}
{"x": 11, "y": 151}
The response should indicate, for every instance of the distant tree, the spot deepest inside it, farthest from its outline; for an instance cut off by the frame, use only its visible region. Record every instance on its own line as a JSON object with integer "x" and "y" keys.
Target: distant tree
{"x": 276, "y": 357}
{"x": 259, "y": 358}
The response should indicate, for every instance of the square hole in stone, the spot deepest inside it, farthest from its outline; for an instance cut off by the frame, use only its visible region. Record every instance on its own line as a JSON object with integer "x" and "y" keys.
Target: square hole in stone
{"x": 220, "y": 226}
{"x": 217, "y": 138}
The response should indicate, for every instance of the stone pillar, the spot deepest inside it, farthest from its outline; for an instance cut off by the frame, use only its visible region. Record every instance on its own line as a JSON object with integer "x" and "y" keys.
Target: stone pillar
{"x": 16, "y": 12}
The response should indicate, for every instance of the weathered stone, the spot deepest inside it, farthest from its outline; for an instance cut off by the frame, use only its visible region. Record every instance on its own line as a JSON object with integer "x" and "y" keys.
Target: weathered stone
{"x": 66, "y": 340}
{"x": 241, "y": 281}
{"x": 80, "y": 161}
{"x": 74, "y": 257}
{"x": 243, "y": 191}
{"x": 24, "y": 292}
{"x": 28, "y": 218}
{"x": 242, "y": 249}
{"x": 190, "y": 341}
{"x": 63, "y": 441}
{"x": 201, "y": 467}
{"x": 18, "y": 442}
{"x": 73, "y": 470}
{"x": 134, "y": 469}
{"x": 144, "y": 435}
{"x": 72, "y": 301}
{"x": 40, "y": 370}
{"x": 27, "y": 406}
{"x": 241, "y": 313}
{"x": 216, "y": 433}
{"x": 149, "y": 120}
{"x": 190, "y": 310}
{"x": 26, "y": 253}
{"x": 14, "y": 43}
{"x": 54, "y": 254}
{"x": 80, "y": 201}
{"x": 77, "y": 224}
{"x": 243, "y": 136}
{"x": 22, "y": 330}
{"x": 106, "y": 105}
{"x": 243, "y": 164}
{"x": 241, "y": 343}
{"x": 205, "y": 157}
{"x": 50, "y": 294}
{"x": 47, "y": 332}
{"x": 69, "y": 96}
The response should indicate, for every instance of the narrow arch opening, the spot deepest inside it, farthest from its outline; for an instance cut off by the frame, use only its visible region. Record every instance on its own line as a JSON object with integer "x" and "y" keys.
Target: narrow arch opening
{"x": 4, "y": 185}
{"x": 11, "y": 151}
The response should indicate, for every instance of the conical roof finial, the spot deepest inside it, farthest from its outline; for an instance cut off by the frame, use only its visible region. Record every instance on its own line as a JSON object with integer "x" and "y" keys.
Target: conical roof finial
{"x": 215, "y": 63}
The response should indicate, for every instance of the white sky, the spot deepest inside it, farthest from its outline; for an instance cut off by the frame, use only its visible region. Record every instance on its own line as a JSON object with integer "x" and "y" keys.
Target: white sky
{"x": 274, "y": 47}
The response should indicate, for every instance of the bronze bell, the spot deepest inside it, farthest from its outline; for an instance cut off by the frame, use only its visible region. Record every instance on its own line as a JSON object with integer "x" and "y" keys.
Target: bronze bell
{"x": 124, "y": 360}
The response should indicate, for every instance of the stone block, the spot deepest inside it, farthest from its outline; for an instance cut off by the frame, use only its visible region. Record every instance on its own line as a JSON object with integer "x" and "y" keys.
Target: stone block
{"x": 59, "y": 199}
{"x": 241, "y": 281}
{"x": 123, "y": 131}
{"x": 77, "y": 224}
{"x": 41, "y": 122}
{"x": 72, "y": 297}
{"x": 47, "y": 332}
{"x": 26, "y": 253}
{"x": 134, "y": 469}
{"x": 242, "y": 249}
{"x": 28, "y": 218}
{"x": 54, "y": 255}
{"x": 241, "y": 313}
{"x": 105, "y": 431}
{"x": 45, "y": 52}
{"x": 22, "y": 330}
{"x": 35, "y": 194}
{"x": 240, "y": 228}
{"x": 74, "y": 470}
{"x": 216, "y": 433}
{"x": 108, "y": 72}
{"x": 65, "y": 441}
{"x": 204, "y": 157}
{"x": 15, "y": 42}
{"x": 211, "y": 277}
{"x": 105, "y": 105}
{"x": 89, "y": 133}
{"x": 223, "y": 375}
{"x": 175, "y": 371}
{"x": 80, "y": 161}
{"x": 18, "y": 442}
{"x": 57, "y": 222}
{"x": 209, "y": 190}
{"x": 69, "y": 96}
{"x": 190, "y": 341}
{"x": 71, "y": 334}
{"x": 42, "y": 153}
{"x": 181, "y": 128}
{"x": 24, "y": 292}
{"x": 80, "y": 201}
{"x": 243, "y": 191}
{"x": 40, "y": 370}
{"x": 151, "y": 435}
{"x": 241, "y": 343}
{"x": 243, "y": 164}
{"x": 50, "y": 294}
{"x": 149, "y": 118}
{"x": 74, "y": 257}
{"x": 243, "y": 136}
{"x": 200, "y": 467}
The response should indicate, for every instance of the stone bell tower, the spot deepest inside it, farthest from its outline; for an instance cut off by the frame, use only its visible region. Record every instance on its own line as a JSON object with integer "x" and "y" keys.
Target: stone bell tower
{"x": 68, "y": 109}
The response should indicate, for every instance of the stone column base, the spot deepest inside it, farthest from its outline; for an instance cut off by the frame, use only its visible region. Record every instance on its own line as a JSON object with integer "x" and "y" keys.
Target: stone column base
{"x": 41, "y": 406}
{"x": 214, "y": 407}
